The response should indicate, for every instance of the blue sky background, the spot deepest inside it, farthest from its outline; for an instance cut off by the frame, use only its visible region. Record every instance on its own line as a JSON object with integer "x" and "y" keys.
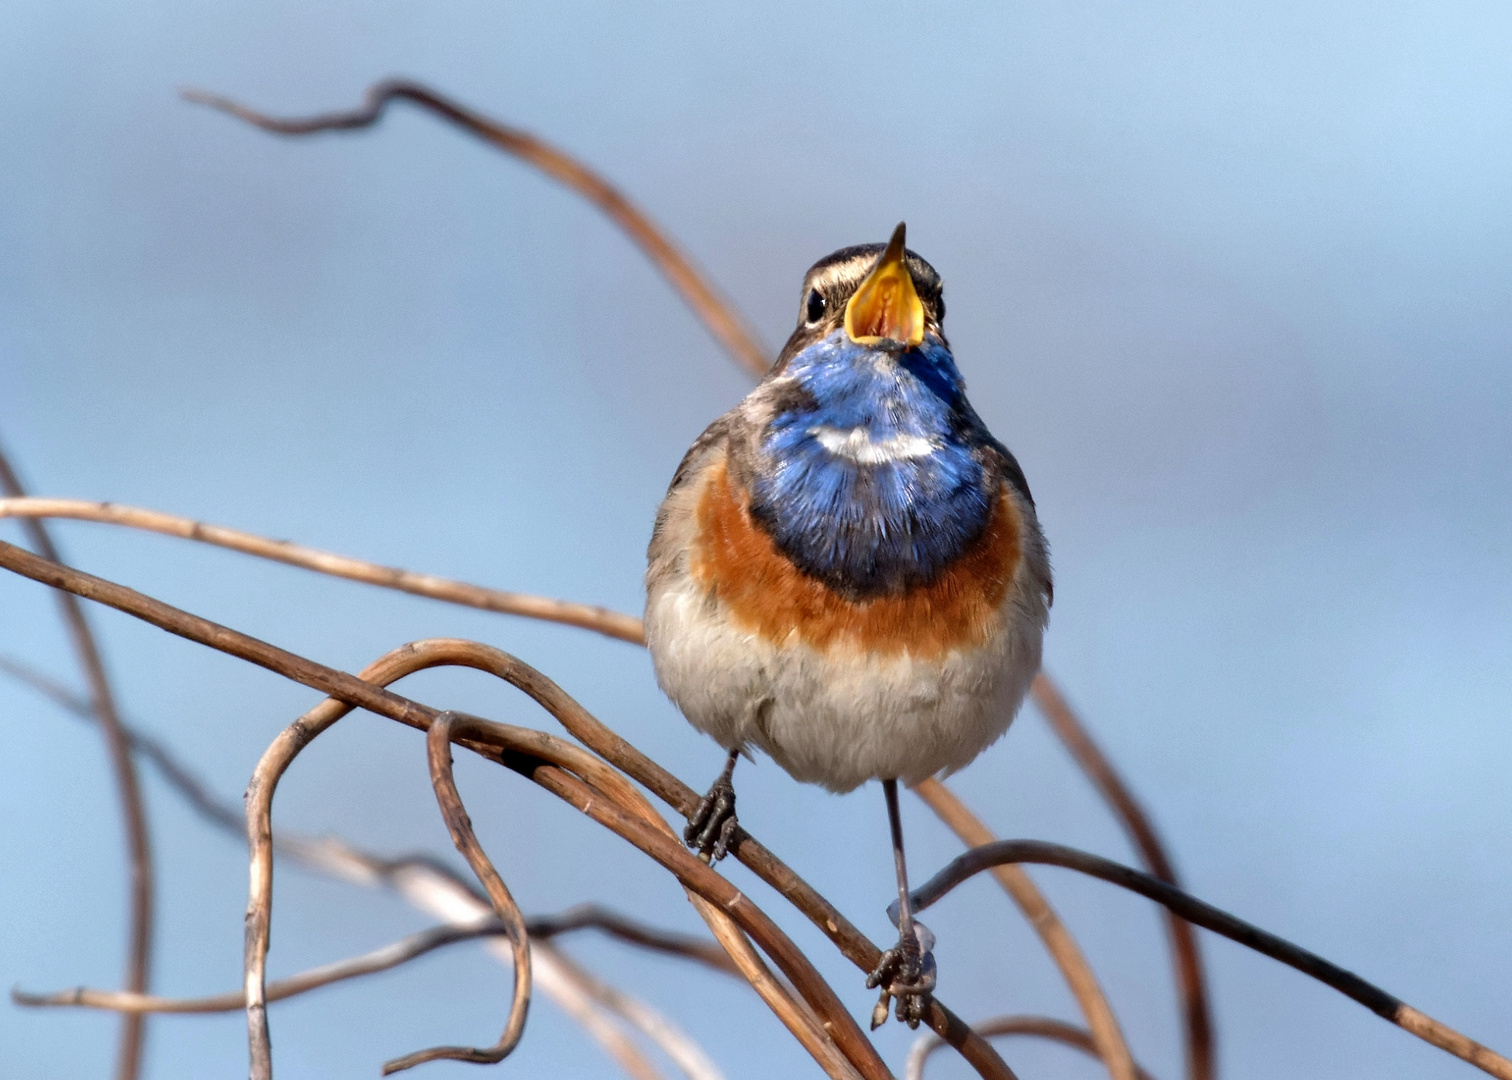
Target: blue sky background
{"x": 1231, "y": 280}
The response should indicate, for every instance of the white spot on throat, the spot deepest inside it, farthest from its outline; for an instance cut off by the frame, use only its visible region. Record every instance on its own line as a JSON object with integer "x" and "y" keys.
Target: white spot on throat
{"x": 858, "y": 445}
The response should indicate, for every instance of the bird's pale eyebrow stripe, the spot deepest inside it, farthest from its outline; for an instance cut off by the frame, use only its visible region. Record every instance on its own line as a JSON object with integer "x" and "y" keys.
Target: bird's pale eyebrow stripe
{"x": 849, "y": 272}
{"x": 858, "y": 445}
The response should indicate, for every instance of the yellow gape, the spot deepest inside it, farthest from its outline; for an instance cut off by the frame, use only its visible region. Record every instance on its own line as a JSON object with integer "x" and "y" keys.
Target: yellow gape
{"x": 886, "y": 306}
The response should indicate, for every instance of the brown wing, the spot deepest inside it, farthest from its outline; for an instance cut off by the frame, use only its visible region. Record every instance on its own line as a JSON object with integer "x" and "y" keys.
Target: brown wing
{"x": 667, "y": 540}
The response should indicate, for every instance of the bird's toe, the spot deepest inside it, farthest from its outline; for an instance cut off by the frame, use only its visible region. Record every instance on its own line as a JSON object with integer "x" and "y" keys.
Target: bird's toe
{"x": 906, "y": 975}
{"x": 711, "y": 827}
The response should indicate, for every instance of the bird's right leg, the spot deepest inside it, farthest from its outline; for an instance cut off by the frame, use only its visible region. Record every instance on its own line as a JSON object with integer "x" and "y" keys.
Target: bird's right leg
{"x": 711, "y": 828}
{"x": 906, "y": 972}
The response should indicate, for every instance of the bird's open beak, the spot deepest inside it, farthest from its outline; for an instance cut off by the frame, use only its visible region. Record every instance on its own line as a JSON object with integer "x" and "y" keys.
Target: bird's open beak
{"x": 886, "y": 308}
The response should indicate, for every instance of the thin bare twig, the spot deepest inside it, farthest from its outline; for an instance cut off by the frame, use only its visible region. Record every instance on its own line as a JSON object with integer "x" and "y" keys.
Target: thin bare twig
{"x": 337, "y": 857}
{"x": 596, "y": 917}
{"x": 1042, "y": 1027}
{"x": 414, "y": 657}
{"x": 669, "y": 852}
{"x": 1080, "y": 978}
{"x": 133, "y": 810}
{"x": 557, "y": 969}
{"x": 433, "y": 887}
{"x": 835, "y": 1043}
{"x": 1191, "y": 982}
{"x": 587, "y": 616}
{"x": 1218, "y": 921}
{"x": 714, "y": 311}
{"x": 459, "y": 825}
{"x": 389, "y": 956}
{"x": 855, "y": 946}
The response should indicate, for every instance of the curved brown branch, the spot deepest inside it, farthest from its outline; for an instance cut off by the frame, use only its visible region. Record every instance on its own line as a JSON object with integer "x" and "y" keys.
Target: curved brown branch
{"x": 587, "y": 616}
{"x": 225, "y": 815}
{"x": 404, "y": 661}
{"x": 811, "y": 1030}
{"x": 433, "y": 887}
{"x": 716, "y": 891}
{"x": 347, "y": 688}
{"x": 728, "y": 328}
{"x": 128, "y": 788}
{"x": 459, "y": 825}
{"x": 1205, "y": 915}
{"x": 259, "y": 799}
{"x": 259, "y": 818}
{"x": 389, "y": 956}
{"x": 1040, "y": 1027}
{"x": 1105, "y": 1035}
{"x": 1191, "y": 982}
{"x": 611, "y": 800}
{"x": 395, "y": 665}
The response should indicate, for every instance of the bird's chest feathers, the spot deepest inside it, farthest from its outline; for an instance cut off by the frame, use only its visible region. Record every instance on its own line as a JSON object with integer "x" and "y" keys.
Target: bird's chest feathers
{"x": 868, "y": 483}
{"x": 861, "y": 517}
{"x": 765, "y": 594}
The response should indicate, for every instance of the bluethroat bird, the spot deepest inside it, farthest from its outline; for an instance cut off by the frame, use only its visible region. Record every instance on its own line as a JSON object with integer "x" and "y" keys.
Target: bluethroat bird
{"x": 847, "y": 572}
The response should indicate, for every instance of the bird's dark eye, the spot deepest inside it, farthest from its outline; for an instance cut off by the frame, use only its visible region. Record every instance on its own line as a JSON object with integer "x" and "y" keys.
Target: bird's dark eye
{"x": 813, "y": 307}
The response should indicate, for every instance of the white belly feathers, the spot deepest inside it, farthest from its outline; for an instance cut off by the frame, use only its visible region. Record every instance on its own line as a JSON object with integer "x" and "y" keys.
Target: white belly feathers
{"x": 840, "y": 717}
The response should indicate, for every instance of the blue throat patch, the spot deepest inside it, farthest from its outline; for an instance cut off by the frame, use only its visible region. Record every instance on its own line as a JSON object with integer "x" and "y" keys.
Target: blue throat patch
{"x": 875, "y": 483}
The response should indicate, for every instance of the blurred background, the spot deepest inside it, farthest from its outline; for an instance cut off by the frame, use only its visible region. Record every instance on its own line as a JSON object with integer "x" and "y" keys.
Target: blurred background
{"x": 1232, "y": 281}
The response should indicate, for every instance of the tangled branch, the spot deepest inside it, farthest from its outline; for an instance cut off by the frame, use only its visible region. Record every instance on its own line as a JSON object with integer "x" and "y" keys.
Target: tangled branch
{"x": 352, "y": 691}
{"x": 433, "y": 887}
{"x": 610, "y": 746}
{"x": 1058, "y": 941}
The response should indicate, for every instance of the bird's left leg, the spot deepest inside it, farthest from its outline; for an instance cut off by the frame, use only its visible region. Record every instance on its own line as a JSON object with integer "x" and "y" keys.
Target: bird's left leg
{"x": 906, "y": 972}
{"x": 711, "y": 828}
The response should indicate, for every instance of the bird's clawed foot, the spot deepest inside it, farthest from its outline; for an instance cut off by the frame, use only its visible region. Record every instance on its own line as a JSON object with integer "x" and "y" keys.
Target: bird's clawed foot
{"x": 711, "y": 827}
{"x": 906, "y": 974}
